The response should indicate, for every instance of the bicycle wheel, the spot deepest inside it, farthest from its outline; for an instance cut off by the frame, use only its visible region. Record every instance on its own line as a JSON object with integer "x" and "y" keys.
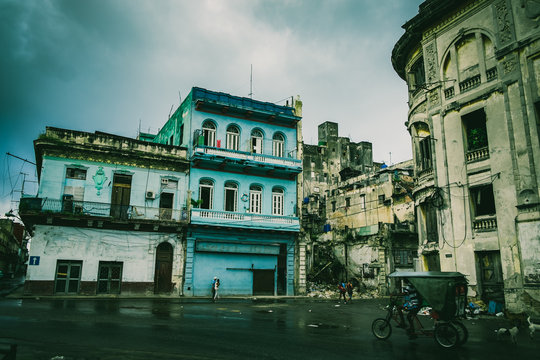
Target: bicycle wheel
{"x": 446, "y": 335}
{"x": 462, "y": 331}
{"x": 381, "y": 328}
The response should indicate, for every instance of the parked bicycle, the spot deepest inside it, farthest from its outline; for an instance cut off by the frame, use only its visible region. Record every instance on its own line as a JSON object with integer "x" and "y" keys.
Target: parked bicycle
{"x": 446, "y": 294}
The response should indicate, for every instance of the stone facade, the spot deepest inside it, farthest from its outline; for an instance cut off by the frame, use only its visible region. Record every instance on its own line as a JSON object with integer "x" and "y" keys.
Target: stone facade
{"x": 473, "y": 72}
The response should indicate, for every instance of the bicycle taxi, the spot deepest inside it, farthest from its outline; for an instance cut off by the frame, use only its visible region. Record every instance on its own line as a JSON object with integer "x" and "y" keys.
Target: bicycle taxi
{"x": 445, "y": 293}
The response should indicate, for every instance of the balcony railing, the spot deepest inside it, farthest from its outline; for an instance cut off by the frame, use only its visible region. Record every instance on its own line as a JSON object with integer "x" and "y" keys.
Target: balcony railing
{"x": 491, "y": 74}
{"x": 234, "y": 219}
{"x": 485, "y": 224}
{"x": 242, "y": 155}
{"x": 469, "y": 84}
{"x": 449, "y": 93}
{"x": 478, "y": 154}
{"x": 88, "y": 208}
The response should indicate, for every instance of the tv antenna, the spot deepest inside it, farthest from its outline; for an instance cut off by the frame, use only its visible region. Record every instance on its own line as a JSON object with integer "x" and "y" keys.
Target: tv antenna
{"x": 251, "y": 82}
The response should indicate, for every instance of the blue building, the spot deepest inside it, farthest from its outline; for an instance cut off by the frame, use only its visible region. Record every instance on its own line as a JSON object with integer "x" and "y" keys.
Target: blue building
{"x": 244, "y": 164}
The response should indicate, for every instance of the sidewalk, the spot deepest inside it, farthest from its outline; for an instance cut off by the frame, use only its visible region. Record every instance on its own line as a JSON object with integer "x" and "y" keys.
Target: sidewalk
{"x": 9, "y": 286}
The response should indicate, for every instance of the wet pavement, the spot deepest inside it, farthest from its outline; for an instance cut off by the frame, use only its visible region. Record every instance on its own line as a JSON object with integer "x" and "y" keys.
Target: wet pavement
{"x": 179, "y": 328}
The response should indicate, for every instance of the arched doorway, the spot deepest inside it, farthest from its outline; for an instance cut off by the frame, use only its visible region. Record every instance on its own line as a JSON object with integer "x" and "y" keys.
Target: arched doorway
{"x": 163, "y": 270}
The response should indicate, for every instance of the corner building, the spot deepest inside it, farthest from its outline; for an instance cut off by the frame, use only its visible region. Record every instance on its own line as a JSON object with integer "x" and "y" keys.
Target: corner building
{"x": 243, "y": 193}
{"x": 473, "y": 73}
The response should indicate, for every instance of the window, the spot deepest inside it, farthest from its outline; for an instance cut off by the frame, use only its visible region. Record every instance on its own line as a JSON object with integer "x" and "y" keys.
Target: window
{"x": 257, "y": 141}
{"x": 231, "y": 196}
{"x": 277, "y": 145}
{"x": 166, "y": 202}
{"x": 255, "y": 199}
{"x": 109, "y": 277}
{"x": 403, "y": 257}
{"x": 381, "y": 199}
{"x": 430, "y": 217}
{"x": 68, "y": 277}
{"x": 363, "y": 202}
{"x": 476, "y": 132}
{"x": 482, "y": 200}
{"x": 347, "y": 202}
{"x": 333, "y": 206}
{"x": 206, "y": 194}
{"x": 277, "y": 202}
{"x": 209, "y": 133}
{"x": 171, "y": 140}
{"x": 76, "y": 173}
{"x": 425, "y": 153}
{"x": 417, "y": 75}
{"x": 181, "y": 137}
{"x": 233, "y": 135}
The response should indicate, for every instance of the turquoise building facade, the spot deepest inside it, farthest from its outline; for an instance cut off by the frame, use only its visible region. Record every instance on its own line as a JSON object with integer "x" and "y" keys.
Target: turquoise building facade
{"x": 243, "y": 221}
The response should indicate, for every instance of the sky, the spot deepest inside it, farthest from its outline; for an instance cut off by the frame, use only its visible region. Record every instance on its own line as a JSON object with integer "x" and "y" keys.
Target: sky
{"x": 120, "y": 65}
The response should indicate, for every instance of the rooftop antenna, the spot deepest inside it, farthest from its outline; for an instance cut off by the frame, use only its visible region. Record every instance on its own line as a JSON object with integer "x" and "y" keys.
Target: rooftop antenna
{"x": 180, "y": 97}
{"x": 170, "y": 111}
{"x": 251, "y": 82}
{"x": 390, "y": 157}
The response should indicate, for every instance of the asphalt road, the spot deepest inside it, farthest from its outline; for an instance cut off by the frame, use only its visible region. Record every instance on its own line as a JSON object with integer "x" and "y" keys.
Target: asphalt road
{"x": 230, "y": 329}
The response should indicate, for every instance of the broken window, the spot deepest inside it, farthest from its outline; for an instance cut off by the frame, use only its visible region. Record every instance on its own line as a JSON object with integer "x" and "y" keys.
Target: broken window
{"x": 475, "y": 130}
{"x": 403, "y": 257}
{"x": 75, "y": 173}
{"x": 482, "y": 200}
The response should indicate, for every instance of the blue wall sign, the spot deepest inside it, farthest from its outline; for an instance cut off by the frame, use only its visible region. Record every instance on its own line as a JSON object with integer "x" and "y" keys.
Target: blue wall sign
{"x": 34, "y": 260}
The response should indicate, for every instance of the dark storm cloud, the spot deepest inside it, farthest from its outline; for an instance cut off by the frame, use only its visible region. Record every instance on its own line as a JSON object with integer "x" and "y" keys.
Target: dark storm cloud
{"x": 109, "y": 65}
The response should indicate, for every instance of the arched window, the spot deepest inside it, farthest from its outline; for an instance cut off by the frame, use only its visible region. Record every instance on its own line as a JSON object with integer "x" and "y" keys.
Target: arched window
{"x": 233, "y": 135}
{"x": 277, "y": 145}
{"x": 257, "y": 141}
{"x": 277, "y": 201}
{"x": 231, "y": 196}
{"x": 255, "y": 199}
{"x": 209, "y": 133}
{"x": 206, "y": 193}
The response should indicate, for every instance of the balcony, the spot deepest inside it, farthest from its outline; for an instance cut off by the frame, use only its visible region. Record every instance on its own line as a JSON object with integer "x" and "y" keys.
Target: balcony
{"x": 260, "y": 164}
{"x": 244, "y": 220}
{"x": 87, "y": 214}
{"x": 478, "y": 155}
{"x": 485, "y": 224}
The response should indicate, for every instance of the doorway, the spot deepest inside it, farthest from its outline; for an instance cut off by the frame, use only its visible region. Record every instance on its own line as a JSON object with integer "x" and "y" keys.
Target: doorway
{"x": 163, "y": 270}
{"x": 68, "y": 277}
{"x": 491, "y": 279}
{"x": 121, "y": 194}
{"x": 109, "y": 277}
{"x": 165, "y": 206}
{"x": 263, "y": 282}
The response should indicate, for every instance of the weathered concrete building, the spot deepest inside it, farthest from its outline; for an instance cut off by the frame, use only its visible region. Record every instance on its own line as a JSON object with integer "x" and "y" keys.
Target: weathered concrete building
{"x": 473, "y": 72}
{"x": 13, "y": 252}
{"x": 110, "y": 215}
{"x": 357, "y": 217}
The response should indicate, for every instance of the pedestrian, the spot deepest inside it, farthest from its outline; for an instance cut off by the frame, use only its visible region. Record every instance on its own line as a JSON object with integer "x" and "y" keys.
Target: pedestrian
{"x": 349, "y": 288}
{"x": 215, "y": 287}
{"x": 342, "y": 291}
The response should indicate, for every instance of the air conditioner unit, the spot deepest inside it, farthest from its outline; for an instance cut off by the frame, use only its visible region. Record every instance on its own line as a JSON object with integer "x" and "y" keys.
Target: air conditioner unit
{"x": 164, "y": 181}
{"x": 150, "y": 195}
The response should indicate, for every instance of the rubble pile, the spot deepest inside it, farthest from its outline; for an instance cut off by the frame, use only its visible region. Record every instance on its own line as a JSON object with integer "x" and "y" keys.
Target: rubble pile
{"x": 330, "y": 291}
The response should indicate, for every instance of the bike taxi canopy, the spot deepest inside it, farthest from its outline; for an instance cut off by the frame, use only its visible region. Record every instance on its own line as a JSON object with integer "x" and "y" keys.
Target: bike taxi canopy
{"x": 445, "y": 292}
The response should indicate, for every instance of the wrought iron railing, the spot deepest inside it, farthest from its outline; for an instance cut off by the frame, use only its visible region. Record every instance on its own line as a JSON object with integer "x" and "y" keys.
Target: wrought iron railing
{"x": 89, "y": 208}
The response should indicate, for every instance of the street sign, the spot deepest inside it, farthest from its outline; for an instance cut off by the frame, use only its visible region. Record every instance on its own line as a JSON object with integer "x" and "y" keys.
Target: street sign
{"x": 34, "y": 260}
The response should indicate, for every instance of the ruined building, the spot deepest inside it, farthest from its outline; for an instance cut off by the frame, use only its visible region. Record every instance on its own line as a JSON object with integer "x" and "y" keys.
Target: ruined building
{"x": 357, "y": 216}
{"x": 473, "y": 73}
